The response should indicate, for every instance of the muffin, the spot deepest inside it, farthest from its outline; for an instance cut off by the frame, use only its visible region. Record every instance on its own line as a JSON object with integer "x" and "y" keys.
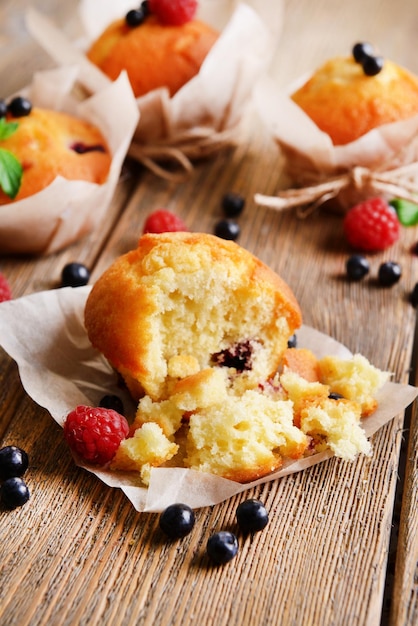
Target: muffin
{"x": 349, "y": 96}
{"x": 155, "y": 52}
{"x": 346, "y": 134}
{"x": 50, "y": 143}
{"x": 187, "y": 302}
{"x": 199, "y": 328}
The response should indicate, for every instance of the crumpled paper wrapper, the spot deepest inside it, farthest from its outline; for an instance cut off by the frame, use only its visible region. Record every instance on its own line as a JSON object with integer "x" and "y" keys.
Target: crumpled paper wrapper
{"x": 204, "y": 116}
{"x": 44, "y": 333}
{"x": 382, "y": 162}
{"x": 67, "y": 210}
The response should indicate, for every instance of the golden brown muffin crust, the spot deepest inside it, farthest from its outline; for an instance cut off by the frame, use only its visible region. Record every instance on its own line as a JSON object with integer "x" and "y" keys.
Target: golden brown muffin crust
{"x": 50, "y": 144}
{"x": 156, "y": 302}
{"x": 345, "y": 103}
{"x": 153, "y": 54}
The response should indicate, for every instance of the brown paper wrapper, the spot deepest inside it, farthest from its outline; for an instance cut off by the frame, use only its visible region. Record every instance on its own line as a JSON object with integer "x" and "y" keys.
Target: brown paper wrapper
{"x": 383, "y": 162}
{"x": 67, "y": 210}
{"x": 44, "y": 333}
{"x": 205, "y": 115}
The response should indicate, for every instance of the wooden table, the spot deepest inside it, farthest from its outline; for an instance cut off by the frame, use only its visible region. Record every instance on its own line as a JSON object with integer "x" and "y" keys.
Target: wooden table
{"x": 341, "y": 546}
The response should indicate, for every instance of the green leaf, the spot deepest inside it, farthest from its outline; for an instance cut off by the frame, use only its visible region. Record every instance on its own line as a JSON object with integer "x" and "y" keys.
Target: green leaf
{"x": 407, "y": 211}
{"x": 10, "y": 173}
{"x": 7, "y": 128}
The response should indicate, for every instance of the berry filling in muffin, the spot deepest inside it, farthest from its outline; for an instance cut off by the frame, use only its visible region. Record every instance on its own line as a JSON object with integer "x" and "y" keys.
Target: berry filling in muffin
{"x": 238, "y": 356}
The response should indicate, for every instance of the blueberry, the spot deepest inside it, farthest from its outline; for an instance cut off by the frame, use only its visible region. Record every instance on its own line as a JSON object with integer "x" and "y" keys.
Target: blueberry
{"x": 372, "y": 65}
{"x": 14, "y": 492}
{"x": 360, "y": 50}
{"x": 19, "y": 106}
{"x": 334, "y": 395}
{"x": 233, "y": 204}
{"x": 13, "y": 462}
{"x": 3, "y": 108}
{"x": 389, "y": 273}
{"x": 413, "y": 298}
{"x": 227, "y": 229}
{"x": 112, "y": 402}
{"x": 357, "y": 267}
{"x": 222, "y": 547}
{"x": 252, "y": 516}
{"x": 292, "y": 342}
{"x": 135, "y": 17}
{"x": 75, "y": 275}
{"x": 177, "y": 520}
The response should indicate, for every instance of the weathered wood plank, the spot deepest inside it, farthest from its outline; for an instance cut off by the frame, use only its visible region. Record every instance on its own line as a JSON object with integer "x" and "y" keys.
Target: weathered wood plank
{"x": 404, "y": 596}
{"x": 79, "y": 553}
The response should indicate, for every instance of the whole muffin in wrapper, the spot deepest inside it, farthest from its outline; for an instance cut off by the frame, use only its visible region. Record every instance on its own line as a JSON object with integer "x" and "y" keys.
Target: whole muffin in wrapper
{"x": 345, "y": 135}
{"x": 65, "y": 210}
{"x": 204, "y": 115}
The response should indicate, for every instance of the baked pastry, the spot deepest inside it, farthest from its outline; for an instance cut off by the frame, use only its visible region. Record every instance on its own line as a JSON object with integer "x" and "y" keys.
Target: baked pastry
{"x": 187, "y": 302}
{"x": 328, "y": 410}
{"x": 330, "y": 422}
{"x": 199, "y": 329}
{"x": 354, "y": 379}
{"x": 240, "y": 437}
{"x": 50, "y": 143}
{"x": 153, "y": 53}
{"x": 206, "y": 426}
{"x": 346, "y": 102}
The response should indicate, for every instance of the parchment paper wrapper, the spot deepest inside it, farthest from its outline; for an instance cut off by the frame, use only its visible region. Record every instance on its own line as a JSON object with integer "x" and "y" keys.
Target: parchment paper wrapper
{"x": 202, "y": 117}
{"x": 66, "y": 210}
{"x": 383, "y": 162}
{"x": 45, "y": 335}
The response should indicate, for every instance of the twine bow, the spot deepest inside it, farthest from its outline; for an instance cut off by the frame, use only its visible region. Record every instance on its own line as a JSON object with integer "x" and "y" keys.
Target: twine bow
{"x": 181, "y": 149}
{"x": 401, "y": 182}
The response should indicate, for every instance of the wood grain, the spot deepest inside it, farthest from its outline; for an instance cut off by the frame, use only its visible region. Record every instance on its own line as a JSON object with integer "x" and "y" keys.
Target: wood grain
{"x": 78, "y": 553}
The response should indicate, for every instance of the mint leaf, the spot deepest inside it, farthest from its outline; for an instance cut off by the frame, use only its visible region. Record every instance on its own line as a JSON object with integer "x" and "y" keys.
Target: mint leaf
{"x": 7, "y": 128}
{"x": 10, "y": 169}
{"x": 10, "y": 173}
{"x": 407, "y": 211}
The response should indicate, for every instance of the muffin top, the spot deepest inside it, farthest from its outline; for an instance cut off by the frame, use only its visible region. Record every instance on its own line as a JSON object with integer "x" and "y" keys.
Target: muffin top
{"x": 344, "y": 102}
{"x": 50, "y": 143}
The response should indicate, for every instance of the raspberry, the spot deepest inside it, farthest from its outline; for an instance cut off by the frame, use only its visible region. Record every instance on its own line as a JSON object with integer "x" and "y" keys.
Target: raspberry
{"x": 173, "y": 12}
{"x": 163, "y": 221}
{"x": 5, "y": 291}
{"x": 371, "y": 225}
{"x": 95, "y": 433}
